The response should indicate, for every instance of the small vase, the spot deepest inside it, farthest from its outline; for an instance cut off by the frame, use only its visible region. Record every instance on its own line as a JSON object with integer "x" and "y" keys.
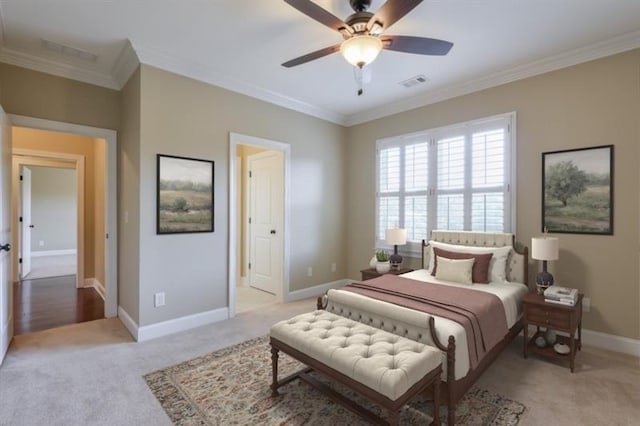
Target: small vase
{"x": 550, "y": 337}
{"x": 373, "y": 262}
{"x": 383, "y": 267}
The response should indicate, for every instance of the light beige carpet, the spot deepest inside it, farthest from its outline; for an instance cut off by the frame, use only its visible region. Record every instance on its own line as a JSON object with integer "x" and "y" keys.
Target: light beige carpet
{"x": 232, "y": 386}
{"x": 92, "y": 374}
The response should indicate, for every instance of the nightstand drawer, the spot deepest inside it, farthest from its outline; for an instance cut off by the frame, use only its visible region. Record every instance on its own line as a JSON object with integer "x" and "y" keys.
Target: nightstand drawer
{"x": 549, "y": 320}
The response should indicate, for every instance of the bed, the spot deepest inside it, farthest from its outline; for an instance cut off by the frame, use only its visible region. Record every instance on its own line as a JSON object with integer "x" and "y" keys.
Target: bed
{"x": 507, "y": 276}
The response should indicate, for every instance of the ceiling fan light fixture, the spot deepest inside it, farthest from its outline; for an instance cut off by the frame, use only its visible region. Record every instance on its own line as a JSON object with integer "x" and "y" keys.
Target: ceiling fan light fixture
{"x": 361, "y": 50}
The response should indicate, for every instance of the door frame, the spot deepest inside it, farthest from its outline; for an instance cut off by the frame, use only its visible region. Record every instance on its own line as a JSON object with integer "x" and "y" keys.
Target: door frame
{"x": 28, "y": 157}
{"x": 110, "y": 194}
{"x": 236, "y": 139}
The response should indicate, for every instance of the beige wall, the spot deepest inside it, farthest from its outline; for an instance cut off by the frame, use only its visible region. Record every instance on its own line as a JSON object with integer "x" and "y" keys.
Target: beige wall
{"x": 180, "y": 116}
{"x": 40, "y": 140}
{"x": 129, "y": 198}
{"x": 591, "y": 104}
{"x": 40, "y": 95}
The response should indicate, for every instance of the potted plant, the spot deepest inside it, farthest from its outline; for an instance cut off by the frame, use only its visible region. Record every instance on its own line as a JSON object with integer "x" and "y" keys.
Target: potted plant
{"x": 383, "y": 265}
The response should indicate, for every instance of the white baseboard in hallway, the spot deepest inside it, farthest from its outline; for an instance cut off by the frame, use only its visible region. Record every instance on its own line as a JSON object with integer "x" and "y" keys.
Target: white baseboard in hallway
{"x": 95, "y": 283}
{"x": 43, "y": 253}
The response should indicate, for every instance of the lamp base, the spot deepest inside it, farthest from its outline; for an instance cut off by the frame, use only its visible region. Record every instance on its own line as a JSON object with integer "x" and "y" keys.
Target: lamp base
{"x": 396, "y": 261}
{"x": 544, "y": 280}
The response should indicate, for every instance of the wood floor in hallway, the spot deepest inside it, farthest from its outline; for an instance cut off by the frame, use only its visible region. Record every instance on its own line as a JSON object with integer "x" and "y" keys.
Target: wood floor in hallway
{"x": 52, "y": 302}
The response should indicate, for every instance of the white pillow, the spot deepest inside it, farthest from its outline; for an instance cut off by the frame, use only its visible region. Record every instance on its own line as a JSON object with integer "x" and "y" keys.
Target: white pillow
{"x": 455, "y": 270}
{"x": 497, "y": 267}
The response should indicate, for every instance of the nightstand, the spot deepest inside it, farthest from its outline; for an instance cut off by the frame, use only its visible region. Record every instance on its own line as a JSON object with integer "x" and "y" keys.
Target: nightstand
{"x": 557, "y": 317}
{"x": 370, "y": 273}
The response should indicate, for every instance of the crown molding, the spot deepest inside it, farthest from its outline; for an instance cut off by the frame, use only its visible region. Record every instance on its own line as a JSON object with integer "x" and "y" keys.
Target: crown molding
{"x": 602, "y": 49}
{"x": 35, "y": 63}
{"x": 126, "y": 63}
{"x": 198, "y": 71}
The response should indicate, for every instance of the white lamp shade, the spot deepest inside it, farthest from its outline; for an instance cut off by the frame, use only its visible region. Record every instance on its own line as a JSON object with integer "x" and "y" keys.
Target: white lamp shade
{"x": 396, "y": 236}
{"x": 361, "y": 50}
{"x": 544, "y": 248}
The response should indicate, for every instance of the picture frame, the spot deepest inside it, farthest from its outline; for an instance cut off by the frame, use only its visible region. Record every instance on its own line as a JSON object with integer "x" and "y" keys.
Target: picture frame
{"x": 577, "y": 191}
{"x": 185, "y": 195}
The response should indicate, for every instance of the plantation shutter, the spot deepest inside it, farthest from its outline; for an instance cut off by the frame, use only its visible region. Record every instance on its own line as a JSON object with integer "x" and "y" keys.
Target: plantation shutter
{"x": 388, "y": 190}
{"x": 458, "y": 177}
{"x": 416, "y": 177}
{"x": 488, "y": 180}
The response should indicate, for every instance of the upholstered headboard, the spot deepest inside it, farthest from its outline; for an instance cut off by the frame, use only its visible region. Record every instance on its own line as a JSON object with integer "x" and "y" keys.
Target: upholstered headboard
{"x": 517, "y": 264}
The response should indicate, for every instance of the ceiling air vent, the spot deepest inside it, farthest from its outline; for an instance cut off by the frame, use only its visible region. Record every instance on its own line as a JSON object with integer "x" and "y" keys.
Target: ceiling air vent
{"x": 414, "y": 81}
{"x": 69, "y": 51}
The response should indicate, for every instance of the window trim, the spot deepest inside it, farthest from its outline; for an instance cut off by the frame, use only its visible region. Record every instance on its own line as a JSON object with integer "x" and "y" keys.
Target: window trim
{"x": 431, "y": 136}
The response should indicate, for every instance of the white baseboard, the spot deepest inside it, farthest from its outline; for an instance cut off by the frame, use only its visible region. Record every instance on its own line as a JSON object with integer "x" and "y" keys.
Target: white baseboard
{"x": 176, "y": 325}
{"x": 611, "y": 342}
{"x": 95, "y": 283}
{"x": 52, "y": 253}
{"x": 317, "y": 290}
{"x": 128, "y": 322}
{"x": 4, "y": 339}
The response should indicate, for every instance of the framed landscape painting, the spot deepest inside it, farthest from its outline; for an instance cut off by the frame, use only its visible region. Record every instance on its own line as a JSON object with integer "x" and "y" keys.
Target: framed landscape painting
{"x": 577, "y": 191}
{"x": 185, "y": 195}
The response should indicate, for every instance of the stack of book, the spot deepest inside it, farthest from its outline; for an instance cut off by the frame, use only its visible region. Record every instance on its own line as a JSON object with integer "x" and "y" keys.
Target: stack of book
{"x": 561, "y": 295}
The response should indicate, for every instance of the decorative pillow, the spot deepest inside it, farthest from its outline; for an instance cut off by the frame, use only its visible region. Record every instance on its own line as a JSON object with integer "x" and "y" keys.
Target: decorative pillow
{"x": 497, "y": 266}
{"x": 455, "y": 270}
{"x": 480, "y": 272}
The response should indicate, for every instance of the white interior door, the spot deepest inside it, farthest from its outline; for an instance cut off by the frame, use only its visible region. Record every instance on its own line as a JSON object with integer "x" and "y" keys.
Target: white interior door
{"x": 6, "y": 329}
{"x": 25, "y": 224}
{"x": 266, "y": 212}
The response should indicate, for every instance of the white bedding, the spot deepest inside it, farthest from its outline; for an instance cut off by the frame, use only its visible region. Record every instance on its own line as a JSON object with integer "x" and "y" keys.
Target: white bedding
{"x": 509, "y": 293}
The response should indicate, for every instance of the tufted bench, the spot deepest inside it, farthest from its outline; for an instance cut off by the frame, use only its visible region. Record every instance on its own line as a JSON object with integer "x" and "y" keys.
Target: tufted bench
{"x": 386, "y": 368}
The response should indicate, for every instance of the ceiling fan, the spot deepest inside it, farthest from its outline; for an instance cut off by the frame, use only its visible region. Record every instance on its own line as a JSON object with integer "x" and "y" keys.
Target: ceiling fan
{"x": 362, "y": 32}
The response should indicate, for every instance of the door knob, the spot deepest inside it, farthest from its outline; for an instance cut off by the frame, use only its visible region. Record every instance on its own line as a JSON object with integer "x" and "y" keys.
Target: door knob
{"x": 31, "y": 226}
{"x": 273, "y": 232}
{"x": 5, "y": 247}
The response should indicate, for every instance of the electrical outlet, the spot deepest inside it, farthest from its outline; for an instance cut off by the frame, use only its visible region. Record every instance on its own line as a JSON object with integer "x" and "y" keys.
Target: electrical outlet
{"x": 158, "y": 299}
{"x": 586, "y": 304}
{"x": 41, "y": 243}
{"x": 333, "y": 267}
{"x": 309, "y": 271}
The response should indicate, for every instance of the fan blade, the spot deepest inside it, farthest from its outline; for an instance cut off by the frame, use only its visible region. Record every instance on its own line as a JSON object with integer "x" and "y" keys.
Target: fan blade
{"x": 321, "y": 15}
{"x": 391, "y": 12}
{"x": 311, "y": 56}
{"x": 418, "y": 45}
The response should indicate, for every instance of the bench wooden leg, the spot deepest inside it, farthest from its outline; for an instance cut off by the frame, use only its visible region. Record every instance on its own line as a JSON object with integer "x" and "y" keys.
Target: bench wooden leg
{"x": 451, "y": 414}
{"x": 436, "y": 402}
{"x": 274, "y": 369}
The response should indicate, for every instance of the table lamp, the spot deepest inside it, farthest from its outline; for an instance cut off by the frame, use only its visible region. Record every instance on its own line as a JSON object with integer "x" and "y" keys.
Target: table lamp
{"x": 545, "y": 249}
{"x": 395, "y": 237}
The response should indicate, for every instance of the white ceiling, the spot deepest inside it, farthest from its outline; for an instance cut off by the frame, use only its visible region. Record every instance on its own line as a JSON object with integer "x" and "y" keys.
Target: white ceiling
{"x": 240, "y": 44}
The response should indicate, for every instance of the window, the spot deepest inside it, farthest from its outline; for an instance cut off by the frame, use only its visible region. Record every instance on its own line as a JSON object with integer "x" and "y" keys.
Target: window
{"x": 458, "y": 177}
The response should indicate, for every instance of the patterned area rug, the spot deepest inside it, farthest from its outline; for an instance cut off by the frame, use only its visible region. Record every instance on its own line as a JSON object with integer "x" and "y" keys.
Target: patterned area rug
{"x": 231, "y": 387}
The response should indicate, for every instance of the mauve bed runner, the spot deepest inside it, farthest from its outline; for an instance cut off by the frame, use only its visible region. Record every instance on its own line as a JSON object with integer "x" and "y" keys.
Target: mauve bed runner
{"x": 481, "y": 314}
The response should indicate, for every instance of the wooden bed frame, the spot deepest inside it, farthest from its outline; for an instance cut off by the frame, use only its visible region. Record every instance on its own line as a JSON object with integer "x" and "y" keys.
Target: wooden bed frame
{"x": 452, "y": 390}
